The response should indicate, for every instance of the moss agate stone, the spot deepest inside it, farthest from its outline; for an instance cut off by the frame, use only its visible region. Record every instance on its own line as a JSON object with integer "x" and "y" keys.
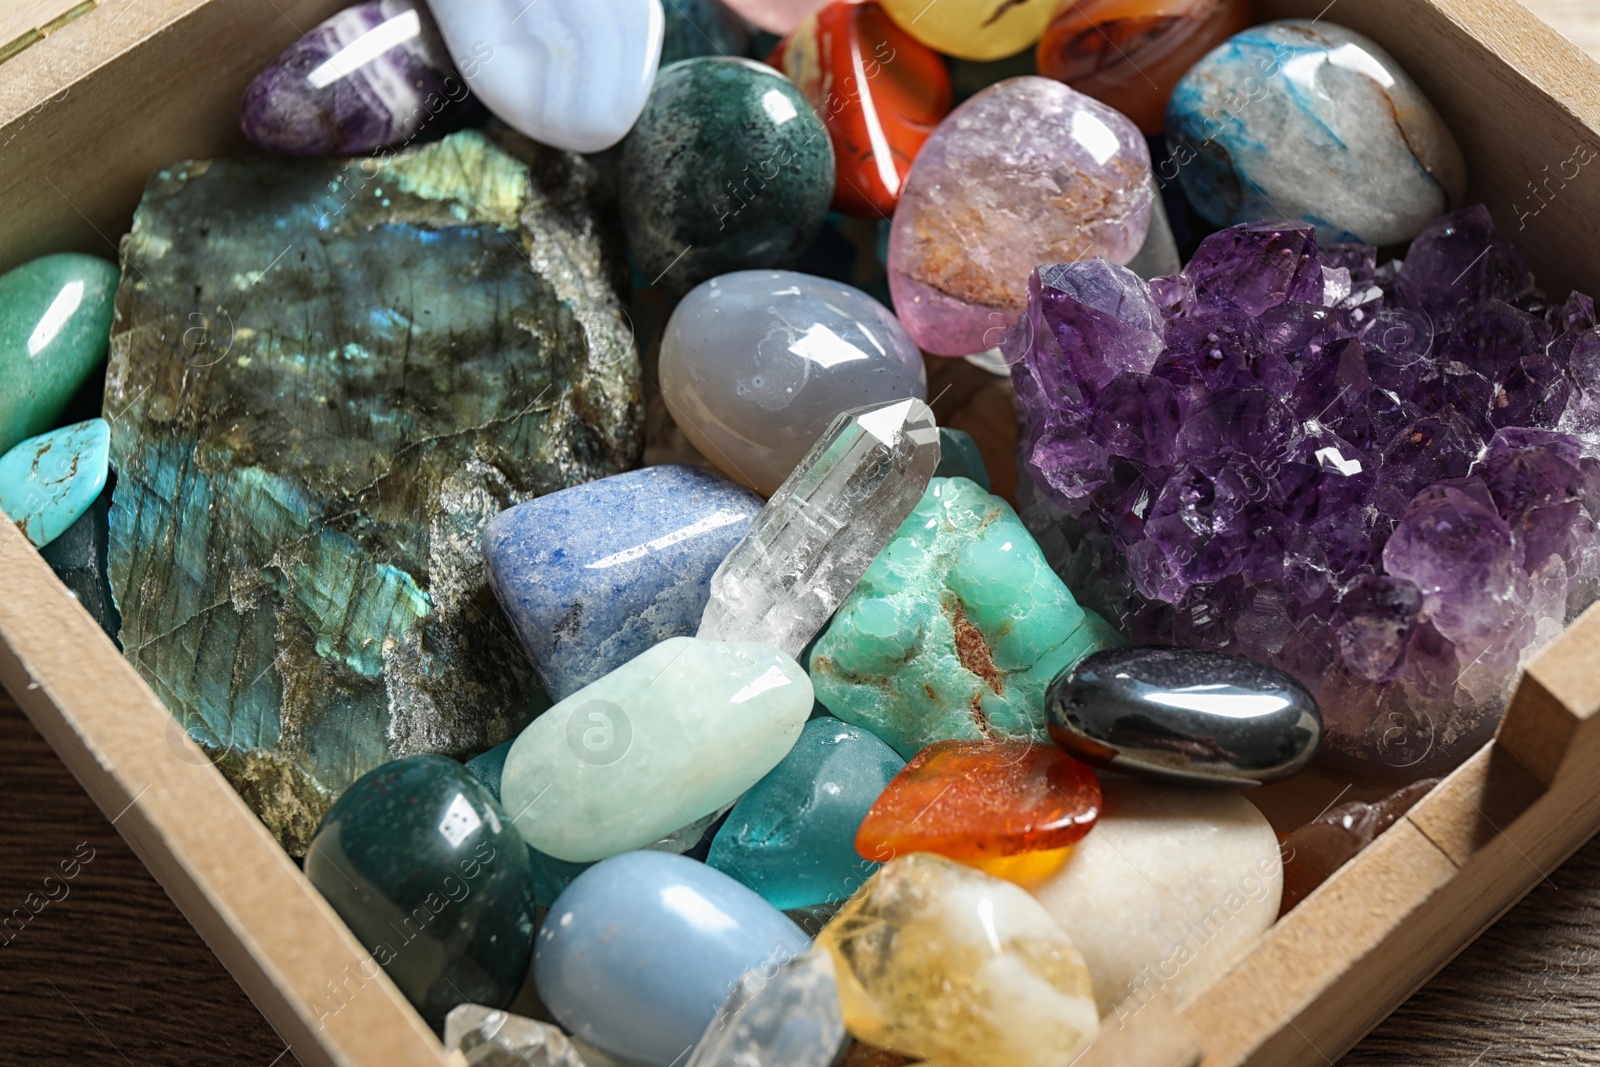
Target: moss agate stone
{"x": 955, "y": 631}
{"x": 327, "y": 378}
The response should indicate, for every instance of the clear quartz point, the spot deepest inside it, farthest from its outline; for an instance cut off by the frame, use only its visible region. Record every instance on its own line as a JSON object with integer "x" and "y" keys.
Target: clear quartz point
{"x": 787, "y": 1017}
{"x": 486, "y": 1037}
{"x": 824, "y": 526}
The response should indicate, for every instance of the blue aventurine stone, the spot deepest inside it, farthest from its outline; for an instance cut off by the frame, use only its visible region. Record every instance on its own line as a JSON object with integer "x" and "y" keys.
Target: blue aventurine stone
{"x": 48, "y": 481}
{"x": 594, "y": 575}
{"x": 791, "y": 838}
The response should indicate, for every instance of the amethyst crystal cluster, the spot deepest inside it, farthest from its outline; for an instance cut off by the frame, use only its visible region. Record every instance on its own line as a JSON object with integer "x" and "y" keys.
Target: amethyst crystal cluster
{"x": 1380, "y": 479}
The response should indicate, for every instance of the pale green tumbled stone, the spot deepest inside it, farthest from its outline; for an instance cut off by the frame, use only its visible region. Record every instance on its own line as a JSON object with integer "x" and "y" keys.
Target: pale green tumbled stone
{"x": 956, "y": 630}
{"x": 674, "y": 734}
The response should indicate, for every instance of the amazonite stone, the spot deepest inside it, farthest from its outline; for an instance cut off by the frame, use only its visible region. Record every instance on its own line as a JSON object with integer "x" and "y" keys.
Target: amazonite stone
{"x": 791, "y": 838}
{"x": 668, "y": 738}
{"x": 955, "y": 631}
{"x": 48, "y": 482}
{"x": 55, "y": 326}
{"x": 640, "y": 952}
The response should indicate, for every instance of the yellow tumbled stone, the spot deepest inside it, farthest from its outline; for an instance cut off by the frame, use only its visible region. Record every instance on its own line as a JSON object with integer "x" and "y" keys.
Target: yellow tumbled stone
{"x": 945, "y": 963}
{"x": 973, "y": 29}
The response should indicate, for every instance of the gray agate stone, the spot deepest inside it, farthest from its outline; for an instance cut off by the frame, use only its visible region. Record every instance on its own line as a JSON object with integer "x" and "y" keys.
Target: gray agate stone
{"x": 1184, "y": 715}
{"x": 756, "y": 364}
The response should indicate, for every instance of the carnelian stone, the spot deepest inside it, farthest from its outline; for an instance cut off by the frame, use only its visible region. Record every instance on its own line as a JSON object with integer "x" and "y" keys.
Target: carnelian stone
{"x": 982, "y": 801}
{"x": 879, "y": 91}
{"x": 1131, "y": 53}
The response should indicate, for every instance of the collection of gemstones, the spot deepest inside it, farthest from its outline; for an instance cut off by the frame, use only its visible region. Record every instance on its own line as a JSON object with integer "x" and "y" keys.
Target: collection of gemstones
{"x": 520, "y": 478}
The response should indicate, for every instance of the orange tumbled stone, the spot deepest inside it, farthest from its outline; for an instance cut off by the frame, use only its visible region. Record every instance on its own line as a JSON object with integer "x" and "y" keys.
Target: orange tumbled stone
{"x": 985, "y": 803}
{"x": 879, "y": 92}
{"x": 1131, "y": 53}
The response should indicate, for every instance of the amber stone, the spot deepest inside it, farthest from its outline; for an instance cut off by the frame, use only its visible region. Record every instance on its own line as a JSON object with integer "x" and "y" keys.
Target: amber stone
{"x": 984, "y": 803}
{"x": 1130, "y": 53}
{"x": 1312, "y": 853}
{"x": 880, "y": 93}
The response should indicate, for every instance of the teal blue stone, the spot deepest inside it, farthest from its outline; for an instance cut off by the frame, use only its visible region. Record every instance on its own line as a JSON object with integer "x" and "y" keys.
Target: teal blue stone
{"x": 959, "y": 458}
{"x": 792, "y": 837}
{"x": 48, "y": 482}
{"x": 550, "y": 875}
{"x": 434, "y": 881}
{"x": 488, "y": 767}
{"x": 701, "y": 28}
{"x": 78, "y": 558}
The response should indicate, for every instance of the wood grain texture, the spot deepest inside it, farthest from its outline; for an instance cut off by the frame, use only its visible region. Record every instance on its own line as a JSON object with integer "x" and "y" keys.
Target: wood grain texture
{"x": 1579, "y": 20}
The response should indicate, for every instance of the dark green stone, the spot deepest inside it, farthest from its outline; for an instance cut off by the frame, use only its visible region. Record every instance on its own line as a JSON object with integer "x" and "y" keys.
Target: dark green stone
{"x": 78, "y": 556}
{"x": 327, "y": 377}
{"x": 434, "y": 881}
{"x": 728, "y": 168}
{"x": 959, "y": 458}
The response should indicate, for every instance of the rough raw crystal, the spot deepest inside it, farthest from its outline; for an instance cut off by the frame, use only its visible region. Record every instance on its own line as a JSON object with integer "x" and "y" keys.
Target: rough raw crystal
{"x": 823, "y": 527}
{"x": 1313, "y": 852}
{"x": 486, "y": 1037}
{"x": 786, "y": 1018}
{"x": 326, "y": 379}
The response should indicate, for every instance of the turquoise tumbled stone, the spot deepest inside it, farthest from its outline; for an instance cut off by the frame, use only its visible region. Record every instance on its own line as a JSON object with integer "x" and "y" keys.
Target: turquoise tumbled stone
{"x": 791, "y": 838}
{"x": 959, "y": 457}
{"x": 430, "y": 875}
{"x": 47, "y": 482}
{"x": 55, "y": 325}
{"x": 955, "y": 631}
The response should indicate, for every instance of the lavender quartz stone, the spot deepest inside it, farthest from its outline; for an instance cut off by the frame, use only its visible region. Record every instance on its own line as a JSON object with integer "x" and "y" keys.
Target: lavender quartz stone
{"x": 373, "y": 76}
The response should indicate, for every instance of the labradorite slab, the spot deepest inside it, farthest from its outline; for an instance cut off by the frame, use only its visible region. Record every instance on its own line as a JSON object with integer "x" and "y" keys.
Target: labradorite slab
{"x": 326, "y": 378}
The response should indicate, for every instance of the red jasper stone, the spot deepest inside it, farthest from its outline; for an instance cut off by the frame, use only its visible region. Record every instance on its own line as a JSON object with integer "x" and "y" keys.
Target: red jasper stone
{"x": 879, "y": 92}
{"x": 980, "y": 800}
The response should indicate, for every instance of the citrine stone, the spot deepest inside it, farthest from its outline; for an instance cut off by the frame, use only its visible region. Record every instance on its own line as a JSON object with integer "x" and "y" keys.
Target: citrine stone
{"x": 973, "y": 29}
{"x": 983, "y": 801}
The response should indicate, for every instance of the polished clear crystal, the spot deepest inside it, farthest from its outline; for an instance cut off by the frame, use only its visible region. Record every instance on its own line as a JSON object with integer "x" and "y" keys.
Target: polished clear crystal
{"x": 489, "y": 1038}
{"x": 786, "y": 1016}
{"x": 826, "y": 523}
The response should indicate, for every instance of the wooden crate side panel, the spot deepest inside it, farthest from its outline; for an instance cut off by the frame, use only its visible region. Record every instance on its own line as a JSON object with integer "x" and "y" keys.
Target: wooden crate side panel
{"x": 1553, "y": 724}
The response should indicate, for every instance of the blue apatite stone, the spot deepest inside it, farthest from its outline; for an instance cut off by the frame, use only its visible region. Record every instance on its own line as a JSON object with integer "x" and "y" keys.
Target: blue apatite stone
{"x": 488, "y": 767}
{"x": 959, "y": 458}
{"x": 643, "y": 948}
{"x": 594, "y": 575}
{"x": 791, "y": 838}
{"x": 550, "y": 875}
{"x": 47, "y": 482}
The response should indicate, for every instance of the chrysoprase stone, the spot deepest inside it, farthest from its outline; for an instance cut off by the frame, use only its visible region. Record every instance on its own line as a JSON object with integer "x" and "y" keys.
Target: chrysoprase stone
{"x": 728, "y": 168}
{"x": 55, "y": 323}
{"x": 491, "y": 1038}
{"x": 1131, "y": 53}
{"x": 78, "y": 557}
{"x": 702, "y": 28}
{"x": 1185, "y": 715}
{"x": 978, "y": 801}
{"x": 640, "y": 952}
{"x": 1309, "y": 120}
{"x": 756, "y": 364}
{"x": 431, "y": 877}
{"x": 296, "y": 525}
{"x": 879, "y": 91}
{"x": 955, "y": 631}
{"x": 622, "y": 762}
{"x": 823, "y": 527}
{"x": 1170, "y": 890}
{"x": 959, "y": 458}
{"x": 573, "y": 76}
{"x": 787, "y": 1017}
{"x": 374, "y": 75}
{"x": 1319, "y": 848}
{"x": 48, "y": 482}
{"x": 594, "y": 575}
{"x": 789, "y": 838}
{"x": 945, "y": 963}
{"x": 1026, "y": 172}
{"x": 973, "y": 29}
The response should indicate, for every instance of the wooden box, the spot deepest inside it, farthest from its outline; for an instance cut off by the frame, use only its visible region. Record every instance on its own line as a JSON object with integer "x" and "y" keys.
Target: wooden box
{"x": 112, "y": 91}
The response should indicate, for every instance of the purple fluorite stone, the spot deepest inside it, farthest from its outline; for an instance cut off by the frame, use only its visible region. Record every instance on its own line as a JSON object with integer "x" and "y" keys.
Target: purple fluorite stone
{"x": 373, "y": 76}
{"x": 1383, "y": 479}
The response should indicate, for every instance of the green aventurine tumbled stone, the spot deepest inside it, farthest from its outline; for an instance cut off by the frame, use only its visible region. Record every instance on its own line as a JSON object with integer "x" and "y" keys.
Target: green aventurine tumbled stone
{"x": 955, "y": 631}
{"x": 55, "y": 321}
{"x": 327, "y": 377}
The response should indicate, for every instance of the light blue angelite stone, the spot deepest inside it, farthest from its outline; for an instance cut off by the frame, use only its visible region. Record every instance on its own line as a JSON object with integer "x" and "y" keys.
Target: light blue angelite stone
{"x": 791, "y": 838}
{"x": 595, "y": 575}
{"x": 47, "y": 482}
{"x": 640, "y": 952}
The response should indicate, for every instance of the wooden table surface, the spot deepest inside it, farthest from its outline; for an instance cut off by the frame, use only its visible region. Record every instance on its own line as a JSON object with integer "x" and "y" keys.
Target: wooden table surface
{"x": 108, "y": 972}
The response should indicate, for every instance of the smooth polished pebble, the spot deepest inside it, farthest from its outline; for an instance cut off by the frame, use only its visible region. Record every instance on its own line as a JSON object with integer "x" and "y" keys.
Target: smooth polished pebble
{"x": 702, "y": 28}
{"x": 640, "y": 952}
{"x": 47, "y": 482}
{"x": 55, "y": 327}
{"x": 431, "y": 877}
{"x": 973, "y": 29}
{"x": 755, "y": 364}
{"x": 1312, "y": 121}
{"x": 1169, "y": 891}
{"x": 622, "y": 763}
{"x": 790, "y": 837}
{"x": 959, "y": 458}
{"x": 1185, "y": 715}
{"x": 592, "y": 576}
{"x": 571, "y": 75}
